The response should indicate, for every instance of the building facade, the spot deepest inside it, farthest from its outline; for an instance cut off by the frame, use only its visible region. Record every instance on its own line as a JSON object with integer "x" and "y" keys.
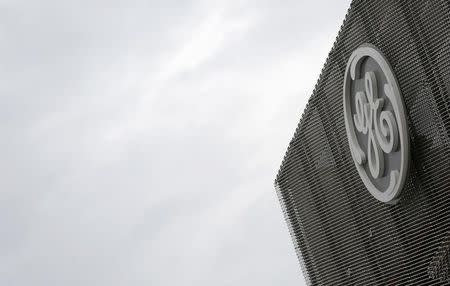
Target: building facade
{"x": 365, "y": 182}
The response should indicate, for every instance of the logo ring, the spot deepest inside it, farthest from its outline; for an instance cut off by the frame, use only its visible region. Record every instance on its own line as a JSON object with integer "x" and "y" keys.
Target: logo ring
{"x": 376, "y": 125}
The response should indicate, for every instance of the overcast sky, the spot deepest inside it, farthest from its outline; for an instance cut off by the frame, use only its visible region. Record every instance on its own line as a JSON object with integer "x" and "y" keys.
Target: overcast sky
{"x": 140, "y": 139}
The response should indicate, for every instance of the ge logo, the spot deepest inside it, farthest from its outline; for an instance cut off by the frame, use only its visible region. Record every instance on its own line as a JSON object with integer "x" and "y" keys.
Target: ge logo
{"x": 376, "y": 125}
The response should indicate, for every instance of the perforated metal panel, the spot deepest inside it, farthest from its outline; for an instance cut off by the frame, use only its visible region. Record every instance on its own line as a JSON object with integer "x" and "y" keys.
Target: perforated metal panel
{"x": 343, "y": 235}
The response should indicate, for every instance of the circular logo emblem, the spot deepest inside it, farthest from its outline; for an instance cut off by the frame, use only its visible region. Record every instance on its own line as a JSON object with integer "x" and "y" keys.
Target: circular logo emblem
{"x": 376, "y": 125}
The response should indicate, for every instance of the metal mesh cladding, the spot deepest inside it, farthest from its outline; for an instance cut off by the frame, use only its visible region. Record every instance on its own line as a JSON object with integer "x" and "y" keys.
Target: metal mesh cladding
{"x": 343, "y": 235}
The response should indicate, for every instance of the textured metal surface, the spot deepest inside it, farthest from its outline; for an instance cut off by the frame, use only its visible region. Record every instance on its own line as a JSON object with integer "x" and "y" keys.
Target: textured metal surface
{"x": 342, "y": 235}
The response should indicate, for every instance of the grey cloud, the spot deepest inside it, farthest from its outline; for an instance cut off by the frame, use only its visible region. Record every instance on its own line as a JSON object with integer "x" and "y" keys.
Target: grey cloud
{"x": 141, "y": 138}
